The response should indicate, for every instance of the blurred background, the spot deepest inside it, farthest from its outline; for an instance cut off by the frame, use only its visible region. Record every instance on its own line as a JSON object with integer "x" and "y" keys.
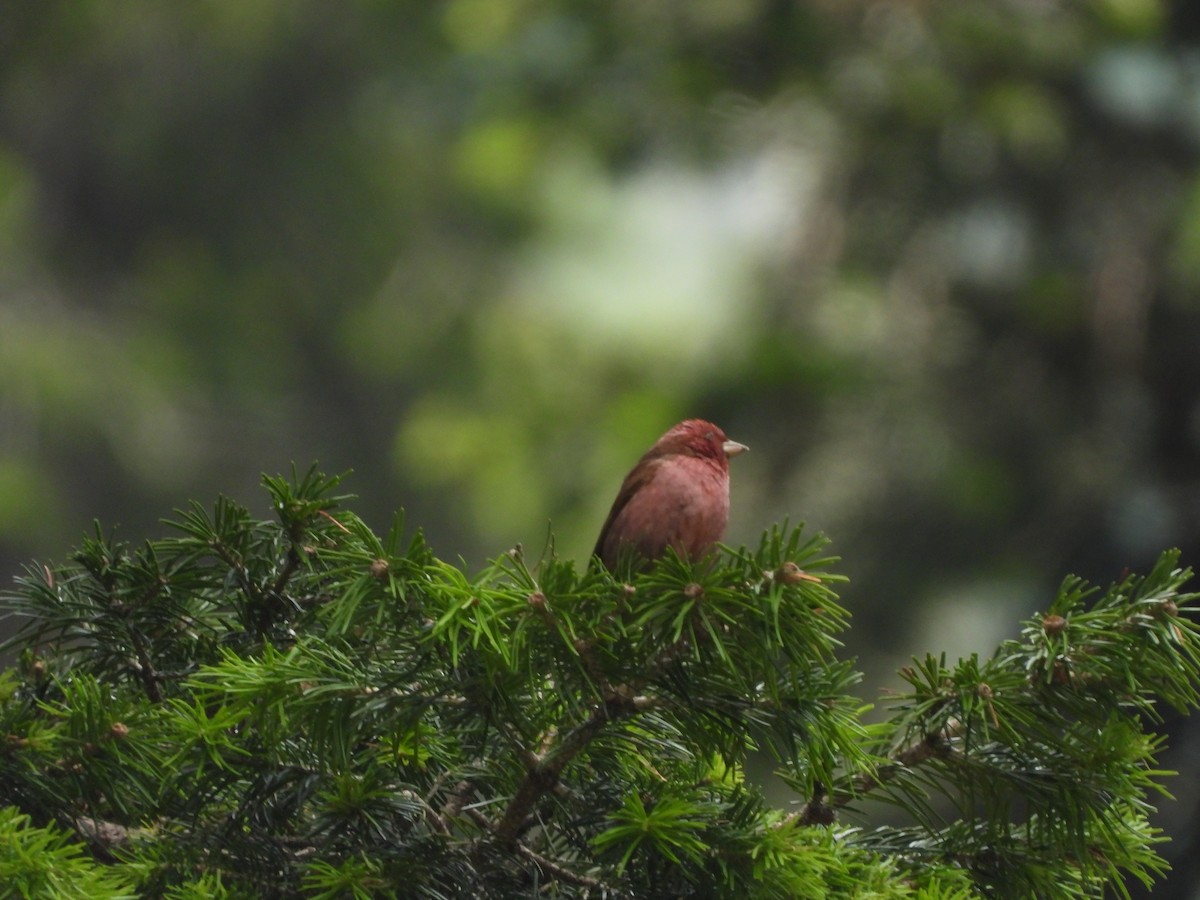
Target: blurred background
{"x": 937, "y": 263}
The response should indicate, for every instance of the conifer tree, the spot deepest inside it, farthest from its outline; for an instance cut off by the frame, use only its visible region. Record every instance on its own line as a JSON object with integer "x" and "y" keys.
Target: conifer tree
{"x": 301, "y": 707}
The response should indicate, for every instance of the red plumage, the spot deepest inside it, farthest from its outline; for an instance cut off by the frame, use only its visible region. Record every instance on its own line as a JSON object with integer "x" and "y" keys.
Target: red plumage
{"x": 676, "y": 496}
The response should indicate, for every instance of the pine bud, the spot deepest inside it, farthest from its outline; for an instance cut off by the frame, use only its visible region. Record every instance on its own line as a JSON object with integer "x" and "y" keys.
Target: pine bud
{"x": 380, "y": 569}
{"x": 790, "y": 573}
{"x": 1054, "y": 625}
{"x": 693, "y": 591}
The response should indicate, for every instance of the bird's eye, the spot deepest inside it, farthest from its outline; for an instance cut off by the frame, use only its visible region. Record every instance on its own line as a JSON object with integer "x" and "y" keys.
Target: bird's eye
{"x": 710, "y": 436}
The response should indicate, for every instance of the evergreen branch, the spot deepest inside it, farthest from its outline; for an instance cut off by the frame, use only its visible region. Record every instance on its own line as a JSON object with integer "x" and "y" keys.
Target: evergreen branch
{"x": 543, "y": 774}
{"x": 291, "y": 564}
{"x": 105, "y": 837}
{"x": 547, "y": 865}
{"x": 455, "y": 802}
{"x": 934, "y": 745}
{"x": 560, "y": 872}
{"x": 816, "y": 810}
{"x": 145, "y": 667}
{"x": 350, "y": 754}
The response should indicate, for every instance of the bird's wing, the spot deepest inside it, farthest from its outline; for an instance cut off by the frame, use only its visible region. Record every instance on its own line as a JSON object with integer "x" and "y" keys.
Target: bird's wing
{"x": 642, "y": 474}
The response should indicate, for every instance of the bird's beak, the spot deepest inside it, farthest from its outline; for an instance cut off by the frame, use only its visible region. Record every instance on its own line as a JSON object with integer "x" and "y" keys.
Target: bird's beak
{"x": 733, "y": 448}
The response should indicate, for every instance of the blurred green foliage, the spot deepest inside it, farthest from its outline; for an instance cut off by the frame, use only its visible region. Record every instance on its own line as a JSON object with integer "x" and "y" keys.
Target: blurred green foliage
{"x": 937, "y": 263}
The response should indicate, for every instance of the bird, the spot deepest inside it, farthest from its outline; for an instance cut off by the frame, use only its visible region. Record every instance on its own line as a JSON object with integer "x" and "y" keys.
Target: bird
{"x": 677, "y": 496}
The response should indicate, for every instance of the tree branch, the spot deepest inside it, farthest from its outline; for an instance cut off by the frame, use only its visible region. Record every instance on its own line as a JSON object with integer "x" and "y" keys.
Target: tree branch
{"x": 935, "y": 745}
{"x": 543, "y": 774}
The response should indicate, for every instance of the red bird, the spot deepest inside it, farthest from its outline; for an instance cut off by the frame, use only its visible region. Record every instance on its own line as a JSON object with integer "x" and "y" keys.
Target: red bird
{"x": 676, "y": 496}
